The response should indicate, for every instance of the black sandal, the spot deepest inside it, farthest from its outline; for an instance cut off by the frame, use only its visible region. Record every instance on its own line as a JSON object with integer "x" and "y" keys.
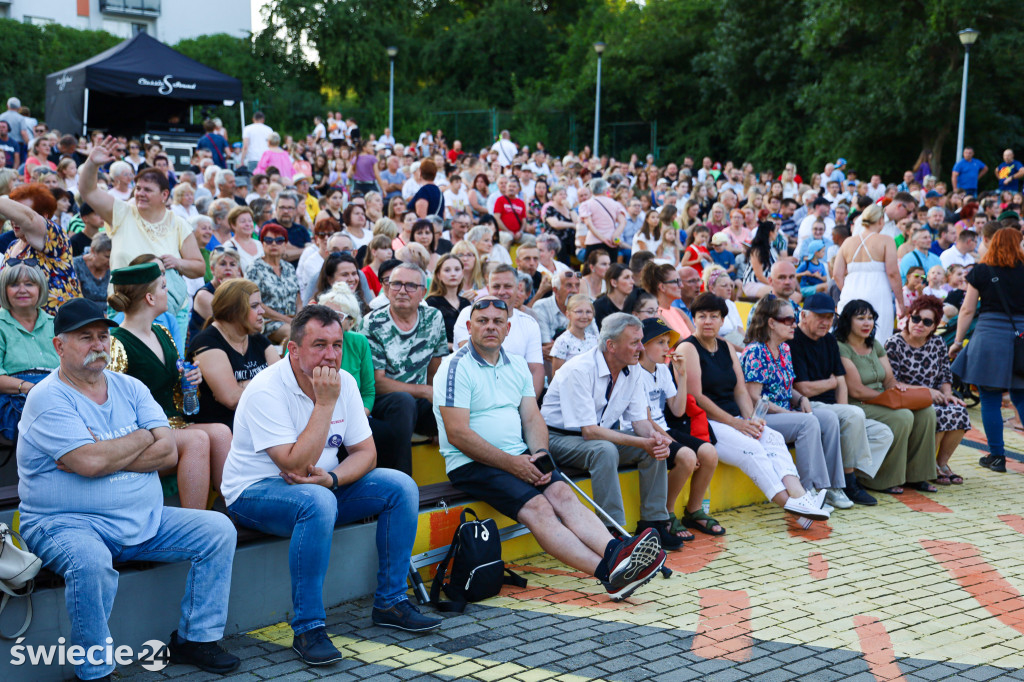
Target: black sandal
{"x": 894, "y": 490}
{"x": 693, "y": 520}
{"x": 923, "y": 486}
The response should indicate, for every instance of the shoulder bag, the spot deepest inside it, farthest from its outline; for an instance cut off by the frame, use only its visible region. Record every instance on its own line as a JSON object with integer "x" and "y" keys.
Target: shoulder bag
{"x": 1018, "y": 338}
{"x": 18, "y": 569}
{"x": 916, "y": 398}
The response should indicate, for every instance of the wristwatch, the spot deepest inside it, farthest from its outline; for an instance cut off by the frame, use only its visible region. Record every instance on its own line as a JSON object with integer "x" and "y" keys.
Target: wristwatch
{"x": 334, "y": 480}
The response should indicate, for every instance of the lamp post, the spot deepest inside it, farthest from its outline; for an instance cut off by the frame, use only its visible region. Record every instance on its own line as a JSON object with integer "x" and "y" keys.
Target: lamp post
{"x": 392, "y": 51}
{"x": 967, "y": 38}
{"x": 598, "y": 48}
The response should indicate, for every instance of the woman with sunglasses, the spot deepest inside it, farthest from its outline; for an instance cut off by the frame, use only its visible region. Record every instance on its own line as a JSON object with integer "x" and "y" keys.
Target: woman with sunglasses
{"x": 768, "y": 371}
{"x": 911, "y": 456}
{"x": 919, "y": 358}
{"x": 279, "y": 287}
{"x": 662, "y": 281}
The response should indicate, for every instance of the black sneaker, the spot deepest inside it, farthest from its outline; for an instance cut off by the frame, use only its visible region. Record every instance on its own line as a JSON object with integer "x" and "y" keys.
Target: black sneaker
{"x": 669, "y": 540}
{"x": 314, "y": 647}
{"x": 856, "y": 492}
{"x": 633, "y": 563}
{"x": 208, "y": 656}
{"x": 994, "y": 463}
{"x": 404, "y": 616}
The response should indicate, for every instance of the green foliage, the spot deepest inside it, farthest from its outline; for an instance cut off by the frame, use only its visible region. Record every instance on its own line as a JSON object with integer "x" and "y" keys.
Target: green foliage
{"x": 32, "y": 52}
{"x": 874, "y": 81}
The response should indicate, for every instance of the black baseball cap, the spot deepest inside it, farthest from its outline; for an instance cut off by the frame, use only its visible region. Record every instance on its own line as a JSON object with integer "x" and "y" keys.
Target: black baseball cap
{"x": 655, "y": 327}
{"x": 820, "y": 303}
{"x": 77, "y": 313}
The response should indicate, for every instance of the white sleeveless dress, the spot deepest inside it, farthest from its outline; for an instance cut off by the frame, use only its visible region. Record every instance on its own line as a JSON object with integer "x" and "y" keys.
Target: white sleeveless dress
{"x": 867, "y": 281}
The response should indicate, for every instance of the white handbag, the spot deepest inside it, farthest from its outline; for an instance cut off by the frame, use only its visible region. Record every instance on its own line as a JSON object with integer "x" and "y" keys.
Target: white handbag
{"x": 18, "y": 569}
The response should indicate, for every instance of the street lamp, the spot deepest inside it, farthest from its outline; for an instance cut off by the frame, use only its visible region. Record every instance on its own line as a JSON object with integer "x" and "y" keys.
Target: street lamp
{"x": 392, "y": 51}
{"x": 967, "y": 38}
{"x": 598, "y": 48}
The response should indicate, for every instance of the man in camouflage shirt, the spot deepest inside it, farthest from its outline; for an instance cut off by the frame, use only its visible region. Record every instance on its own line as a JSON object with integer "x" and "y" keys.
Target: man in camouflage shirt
{"x": 407, "y": 342}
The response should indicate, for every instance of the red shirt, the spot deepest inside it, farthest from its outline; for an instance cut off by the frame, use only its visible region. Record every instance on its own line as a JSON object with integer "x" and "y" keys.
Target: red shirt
{"x": 511, "y": 213}
{"x": 371, "y": 280}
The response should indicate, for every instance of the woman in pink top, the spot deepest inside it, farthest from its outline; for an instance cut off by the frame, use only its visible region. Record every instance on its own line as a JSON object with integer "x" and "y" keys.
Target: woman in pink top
{"x": 739, "y": 235}
{"x": 276, "y": 157}
{"x": 662, "y": 280}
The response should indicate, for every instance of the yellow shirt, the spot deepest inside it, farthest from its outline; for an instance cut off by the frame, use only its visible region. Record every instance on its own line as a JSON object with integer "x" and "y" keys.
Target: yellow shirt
{"x": 131, "y": 235}
{"x": 312, "y": 207}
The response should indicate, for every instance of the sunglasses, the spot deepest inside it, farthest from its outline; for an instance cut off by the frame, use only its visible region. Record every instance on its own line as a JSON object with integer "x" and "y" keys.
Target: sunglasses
{"x": 572, "y": 274}
{"x": 487, "y": 303}
{"x": 788, "y": 321}
{"x": 224, "y": 249}
{"x": 345, "y": 252}
{"x": 926, "y": 321}
{"x": 275, "y": 240}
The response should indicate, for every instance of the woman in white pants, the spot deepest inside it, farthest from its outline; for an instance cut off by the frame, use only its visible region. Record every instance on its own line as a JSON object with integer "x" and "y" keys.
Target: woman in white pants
{"x": 716, "y": 381}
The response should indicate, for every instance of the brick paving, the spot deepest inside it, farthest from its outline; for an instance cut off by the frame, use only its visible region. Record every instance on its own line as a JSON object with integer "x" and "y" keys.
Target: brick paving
{"x": 908, "y": 590}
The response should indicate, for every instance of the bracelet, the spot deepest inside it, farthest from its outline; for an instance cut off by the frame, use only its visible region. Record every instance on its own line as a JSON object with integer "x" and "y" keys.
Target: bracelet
{"x": 21, "y": 392}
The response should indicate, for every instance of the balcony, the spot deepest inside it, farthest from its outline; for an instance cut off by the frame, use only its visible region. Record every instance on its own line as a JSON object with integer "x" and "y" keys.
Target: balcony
{"x": 135, "y": 8}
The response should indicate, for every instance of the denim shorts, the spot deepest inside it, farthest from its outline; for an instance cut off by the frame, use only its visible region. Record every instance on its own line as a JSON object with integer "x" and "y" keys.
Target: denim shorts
{"x": 500, "y": 489}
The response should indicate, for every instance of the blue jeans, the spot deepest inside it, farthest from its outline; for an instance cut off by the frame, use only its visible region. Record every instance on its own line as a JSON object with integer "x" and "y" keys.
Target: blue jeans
{"x": 70, "y": 547}
{"x": 309, "y": 513}
{"x": 992, "y": 415}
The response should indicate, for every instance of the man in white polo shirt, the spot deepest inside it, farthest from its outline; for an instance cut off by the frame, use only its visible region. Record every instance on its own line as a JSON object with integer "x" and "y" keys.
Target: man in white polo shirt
{"x": 284, "y": 476}
{"x": 962, "y": 252}
{"x": 591, "y": 398}
{"x": 493, "y": 439}
{"x": 524, "y": 334}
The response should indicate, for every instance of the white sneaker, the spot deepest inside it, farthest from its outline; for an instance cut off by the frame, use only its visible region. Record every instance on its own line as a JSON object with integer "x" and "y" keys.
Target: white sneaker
{"x": 837, "y": 498}
{"x": 806, "y": 506}
{"x": 817, "y": 498}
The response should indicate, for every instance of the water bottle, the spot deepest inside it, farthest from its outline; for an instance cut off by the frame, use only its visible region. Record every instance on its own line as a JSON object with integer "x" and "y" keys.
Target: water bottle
{"x": 761, "y": 409}
{"x": 190, "y": 402}
{"x": 706, "y": 505}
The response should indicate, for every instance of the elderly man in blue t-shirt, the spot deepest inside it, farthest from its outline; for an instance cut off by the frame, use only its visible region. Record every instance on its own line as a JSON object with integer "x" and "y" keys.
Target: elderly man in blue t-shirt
{"x": 92, "y": 442}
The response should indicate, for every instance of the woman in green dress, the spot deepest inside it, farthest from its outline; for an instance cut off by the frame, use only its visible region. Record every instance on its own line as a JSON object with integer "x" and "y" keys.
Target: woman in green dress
{"x": 146, "y": 351}
{"x": 911, "y": 457}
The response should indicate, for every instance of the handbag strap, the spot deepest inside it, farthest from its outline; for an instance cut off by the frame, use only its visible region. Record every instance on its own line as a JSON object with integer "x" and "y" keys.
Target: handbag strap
{"x": 1006, "y": 307}
{"x": 28, "y": 608}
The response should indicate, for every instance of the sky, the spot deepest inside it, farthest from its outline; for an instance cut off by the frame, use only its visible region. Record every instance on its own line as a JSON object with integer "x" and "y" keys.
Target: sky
{"x": 257, "y": 21}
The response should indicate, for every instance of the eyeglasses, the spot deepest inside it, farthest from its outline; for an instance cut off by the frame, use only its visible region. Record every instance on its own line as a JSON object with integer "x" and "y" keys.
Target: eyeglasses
{"x": 788, "y": 321}
{"x": 411, "y": 287}
{"x": 675, "y": 281}
{"x": 926, "y": 321}
{"x": 488, "y": 302}
{"x": 275, "y": 240}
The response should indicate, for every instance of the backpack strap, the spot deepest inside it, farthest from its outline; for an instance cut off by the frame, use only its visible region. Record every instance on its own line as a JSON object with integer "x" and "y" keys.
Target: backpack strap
{"x": 513, "y": 578}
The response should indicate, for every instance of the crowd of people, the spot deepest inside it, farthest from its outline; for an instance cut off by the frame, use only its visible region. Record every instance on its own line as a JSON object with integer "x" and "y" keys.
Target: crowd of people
{"x": 334, "y": 300}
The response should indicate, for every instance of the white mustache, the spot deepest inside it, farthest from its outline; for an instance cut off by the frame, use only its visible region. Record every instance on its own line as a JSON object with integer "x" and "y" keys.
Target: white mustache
{"x": 97, "y": 355}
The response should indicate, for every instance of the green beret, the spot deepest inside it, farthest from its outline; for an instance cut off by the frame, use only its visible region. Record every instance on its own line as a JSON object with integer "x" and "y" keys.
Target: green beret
{"x": 135, "y": 274}
{"x": 1008, "y": 214}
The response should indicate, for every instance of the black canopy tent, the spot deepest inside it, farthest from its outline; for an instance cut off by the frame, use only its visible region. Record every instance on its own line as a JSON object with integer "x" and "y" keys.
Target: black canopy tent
{"x": 134, "y": 86}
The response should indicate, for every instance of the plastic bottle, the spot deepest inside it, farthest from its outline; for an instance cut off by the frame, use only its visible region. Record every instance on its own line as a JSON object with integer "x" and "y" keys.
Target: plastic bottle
{"x": 190, "y": 394}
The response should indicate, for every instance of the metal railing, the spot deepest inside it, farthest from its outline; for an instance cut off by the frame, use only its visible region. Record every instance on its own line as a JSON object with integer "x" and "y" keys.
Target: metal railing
{"x": 142, "y": 8}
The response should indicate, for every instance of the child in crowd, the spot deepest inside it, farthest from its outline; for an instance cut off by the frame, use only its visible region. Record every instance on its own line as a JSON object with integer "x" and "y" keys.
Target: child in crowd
{"x": 696, "y": 254}
{"x": 812, "y": 271}
{"x": 721, "y": 256}
{"x": 667, "y": 395}
{"x": 937, "y": 286}
{"x": 914, "y": 286}
{"x": 581, "y": 335}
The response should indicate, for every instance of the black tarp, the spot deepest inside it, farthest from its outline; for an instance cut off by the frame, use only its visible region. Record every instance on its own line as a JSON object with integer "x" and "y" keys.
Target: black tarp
{"x": 139, "y": 81}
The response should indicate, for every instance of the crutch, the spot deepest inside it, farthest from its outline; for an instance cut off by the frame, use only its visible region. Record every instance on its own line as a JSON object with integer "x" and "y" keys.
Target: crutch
{"x": 665, "y": 570}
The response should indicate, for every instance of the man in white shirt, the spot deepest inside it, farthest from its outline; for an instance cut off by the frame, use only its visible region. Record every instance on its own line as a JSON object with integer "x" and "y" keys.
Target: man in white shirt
{"x": 524, "y": 334}
{"x": 319, "y": 129}
{"x": 901, "y": 208}
{"x": 820, "y": 210}
{"x": 962, "y": 252}
{"x": 254, "y": 140}
{"x": 597, "y": 414}
{"x": 538, "y": 166}
{"x": 876, "y": 190}
{"x": 284, "y": 475}
{"x": 505, "y": 148}
{"x": 387, "y": 140}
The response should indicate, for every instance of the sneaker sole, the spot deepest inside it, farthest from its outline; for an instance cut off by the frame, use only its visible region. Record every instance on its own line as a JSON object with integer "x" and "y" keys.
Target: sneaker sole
{"x": 814, "y": 515}
{"x": 309, "y": 662}
{"x": 645, "y": 552}
{"x": 408, "y": 629}
{"x": 634, "y": 586}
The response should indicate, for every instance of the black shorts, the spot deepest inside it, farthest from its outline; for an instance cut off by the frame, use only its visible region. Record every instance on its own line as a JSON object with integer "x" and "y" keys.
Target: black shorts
{"x": 681, "y": 439}
{"x": 498, "y": 488}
